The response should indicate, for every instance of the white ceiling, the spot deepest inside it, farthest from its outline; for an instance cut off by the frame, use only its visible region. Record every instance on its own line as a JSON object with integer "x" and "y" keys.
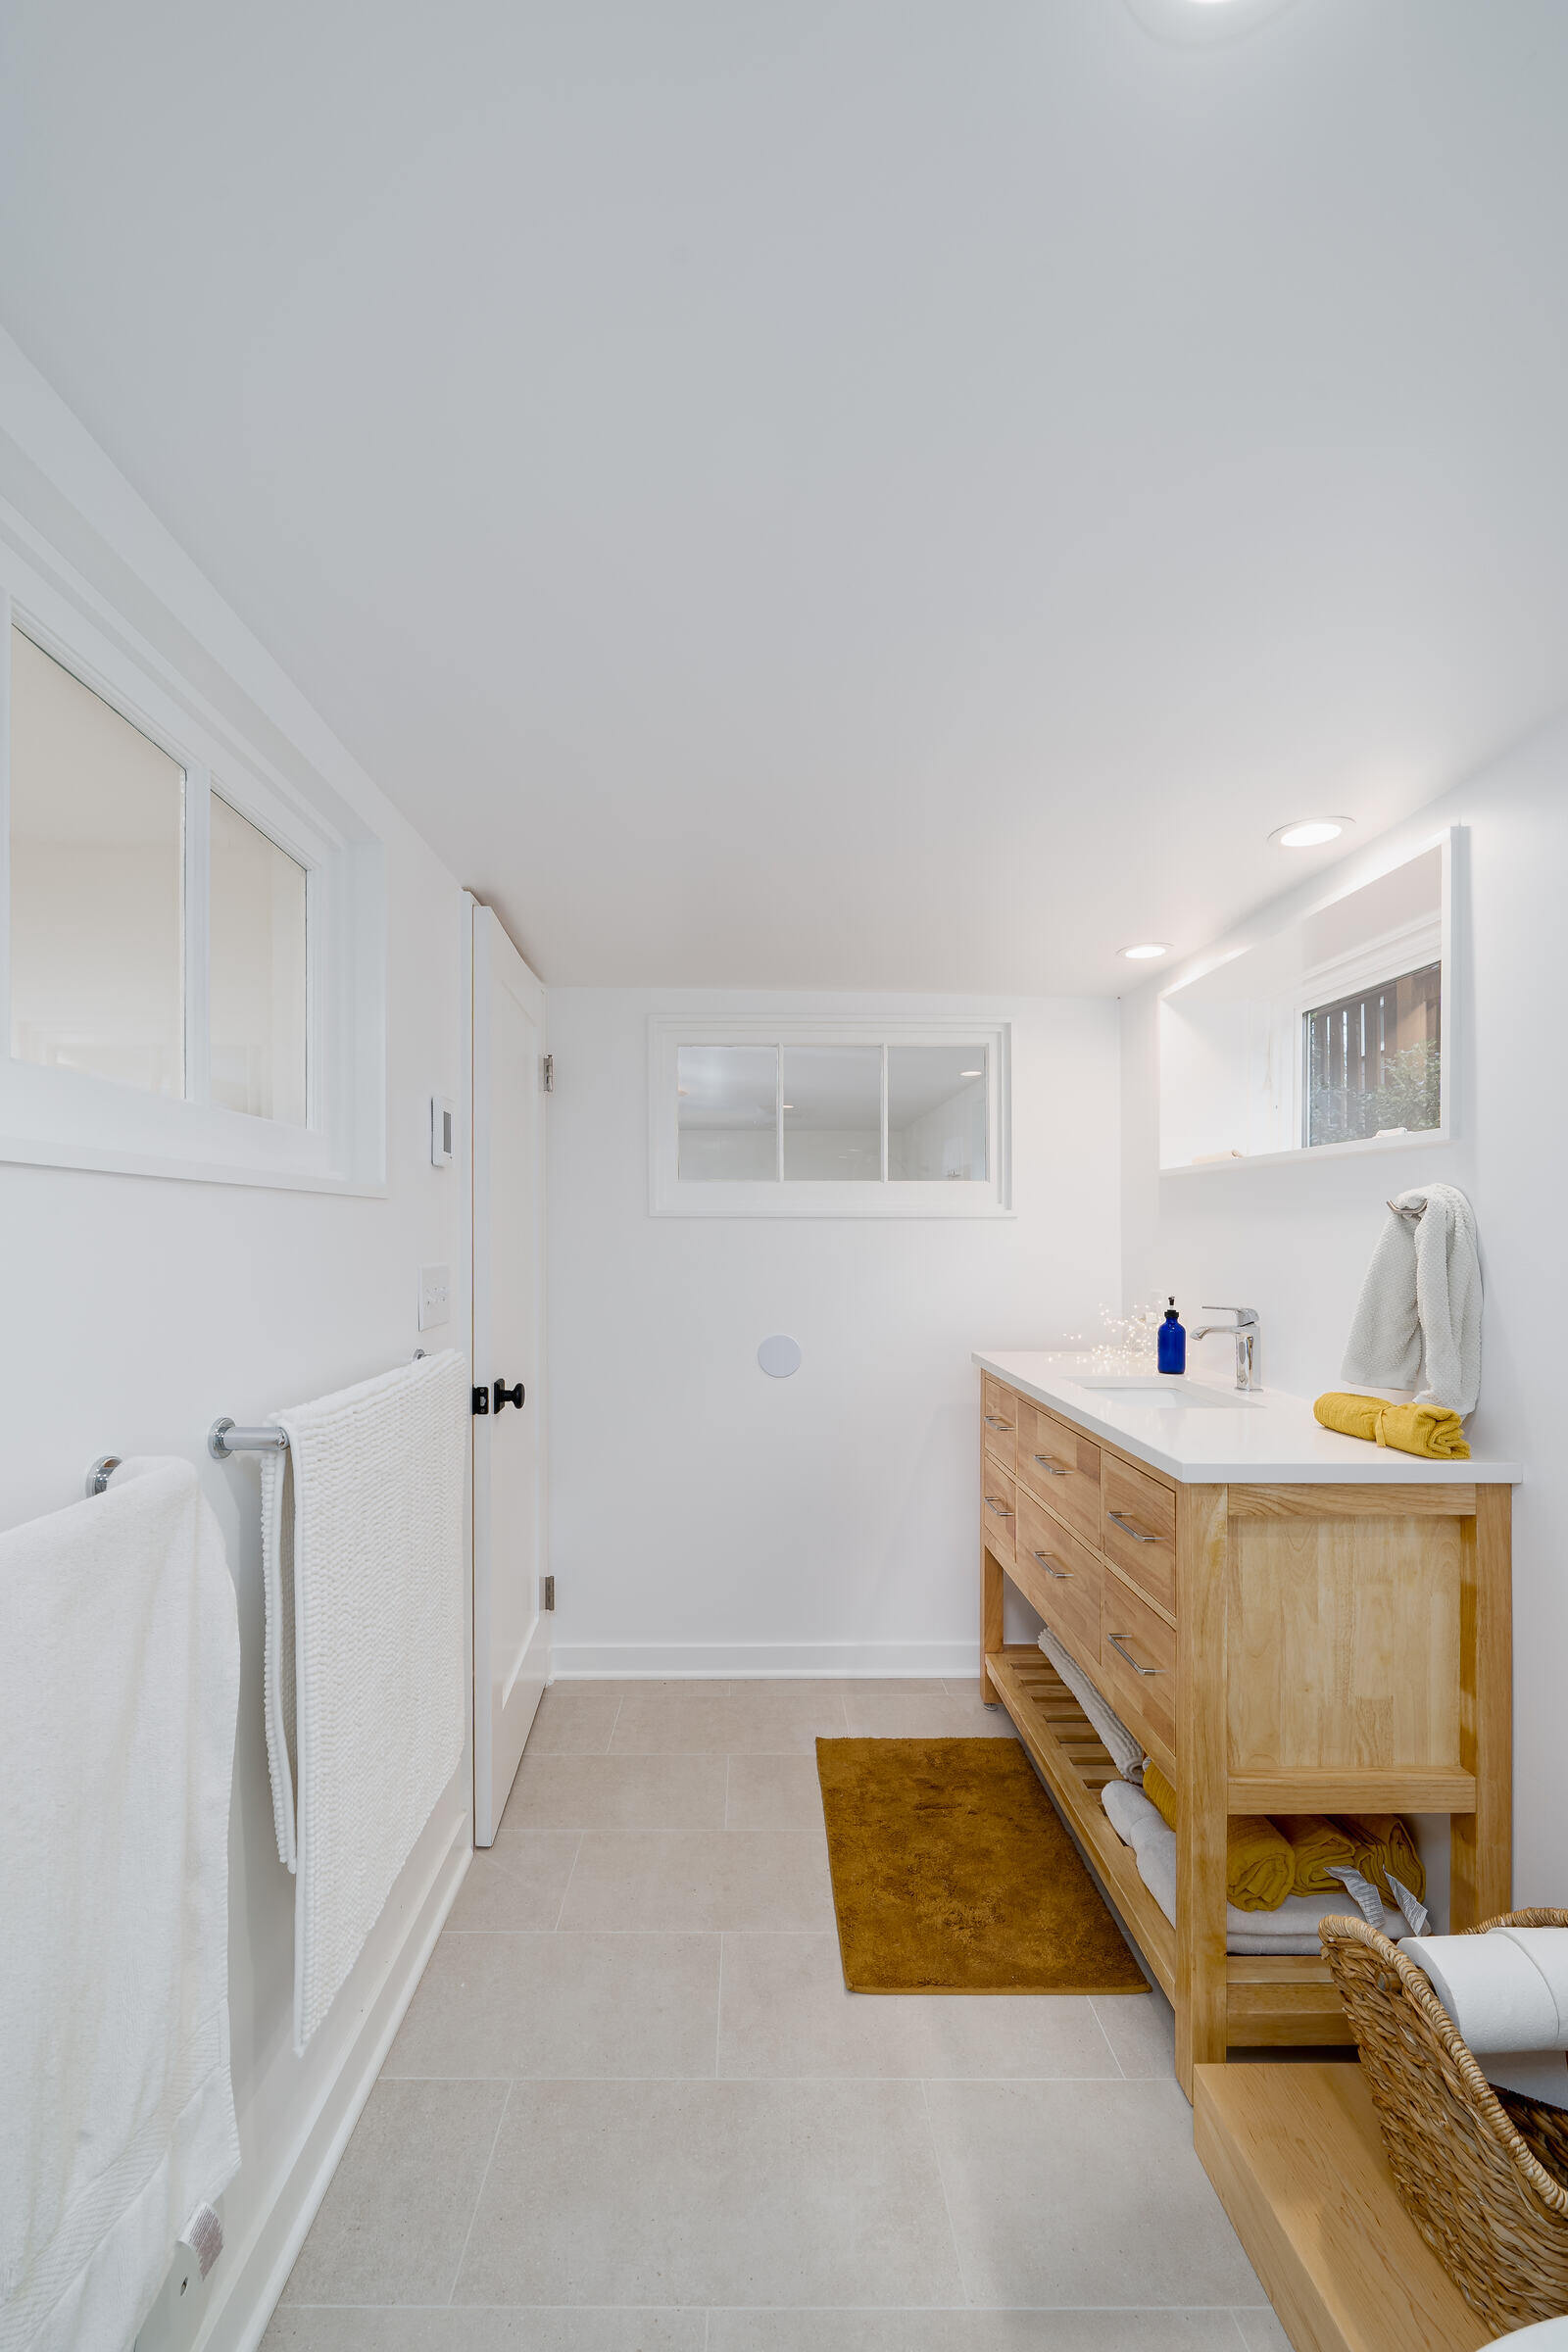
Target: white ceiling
{"x": 835, "y": 492}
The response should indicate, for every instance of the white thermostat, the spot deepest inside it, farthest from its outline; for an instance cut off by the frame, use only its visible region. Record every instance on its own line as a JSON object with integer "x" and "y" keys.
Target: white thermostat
{"x": 442, "y": 1130}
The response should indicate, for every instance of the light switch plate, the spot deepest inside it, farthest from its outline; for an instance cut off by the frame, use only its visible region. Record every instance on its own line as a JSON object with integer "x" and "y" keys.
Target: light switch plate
{"x": 443, "y": 1129}
{"x": 435, "y": 1295}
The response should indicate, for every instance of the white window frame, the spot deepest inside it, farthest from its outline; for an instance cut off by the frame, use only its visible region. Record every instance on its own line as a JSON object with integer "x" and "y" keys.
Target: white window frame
{"x": 1408, "y": 950}
{"x": 799, "y": 1196}
{"x": 66, "y": 1118}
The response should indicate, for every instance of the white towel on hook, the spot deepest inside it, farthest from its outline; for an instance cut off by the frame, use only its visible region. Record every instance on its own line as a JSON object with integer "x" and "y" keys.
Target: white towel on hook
{"x": 1418, "y": 1320}
{"x": 361, "y": 1527}
{"x": 118, "y": 1694}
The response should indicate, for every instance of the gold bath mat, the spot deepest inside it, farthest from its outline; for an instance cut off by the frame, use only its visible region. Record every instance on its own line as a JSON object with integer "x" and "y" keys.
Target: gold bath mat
{"x": 952, "y": 1873}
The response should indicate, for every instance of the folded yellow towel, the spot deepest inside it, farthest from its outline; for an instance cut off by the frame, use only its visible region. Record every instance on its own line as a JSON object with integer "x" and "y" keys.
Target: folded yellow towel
{"x": 1427, "y": 1429}
{"x": 1383, "y": 1843}
{"x": 1258, "y": 1865}
{"x": 1317, "y": 1846}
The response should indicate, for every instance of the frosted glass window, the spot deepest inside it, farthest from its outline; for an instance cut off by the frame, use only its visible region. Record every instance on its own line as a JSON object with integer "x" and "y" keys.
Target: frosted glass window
{"x": 97, "y": 881}
{"x": 257, "y": 1010}
{"x": 833, "y": 1113}
{"x": 936, "y": 1114}
{"x": 728, "y": 1102}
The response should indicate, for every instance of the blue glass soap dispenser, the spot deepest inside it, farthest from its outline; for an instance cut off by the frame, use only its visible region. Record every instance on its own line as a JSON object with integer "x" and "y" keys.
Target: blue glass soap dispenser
{"x": 1172, "y": 1343}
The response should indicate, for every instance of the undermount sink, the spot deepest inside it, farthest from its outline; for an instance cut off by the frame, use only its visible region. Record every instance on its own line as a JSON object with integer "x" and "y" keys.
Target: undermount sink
{"x": 1169, "y": 1390}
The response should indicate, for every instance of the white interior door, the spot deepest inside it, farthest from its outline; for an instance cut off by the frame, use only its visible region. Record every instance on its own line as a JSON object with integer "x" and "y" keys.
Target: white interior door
{"x": 511, "y": 1627}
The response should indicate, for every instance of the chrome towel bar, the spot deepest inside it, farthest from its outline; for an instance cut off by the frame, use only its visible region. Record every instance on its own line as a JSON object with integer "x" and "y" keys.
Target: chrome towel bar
{"x": 225, "y": 1438}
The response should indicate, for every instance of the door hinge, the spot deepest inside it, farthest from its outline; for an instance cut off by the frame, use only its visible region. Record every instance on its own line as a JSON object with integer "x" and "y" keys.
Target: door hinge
{"x": 547, "y": 1591}
{"x": 481, "y": 1400}
{"x": 549, "y": 1068}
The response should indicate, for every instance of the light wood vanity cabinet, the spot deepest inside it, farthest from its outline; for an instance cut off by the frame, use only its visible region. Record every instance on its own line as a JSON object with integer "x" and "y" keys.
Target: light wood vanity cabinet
{"x": 1279, "y": 1649}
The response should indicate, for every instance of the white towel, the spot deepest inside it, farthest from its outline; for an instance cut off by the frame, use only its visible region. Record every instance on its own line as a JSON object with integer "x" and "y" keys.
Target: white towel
{"x": 367, "y": 1507}
{"x": 1418, "y": 1320}
{"x": 1507, "y": 1994}
{"x": 119, "y": 1691}
{"x": 1292, "y": 1928}
{"x": 1126, "y": 1752}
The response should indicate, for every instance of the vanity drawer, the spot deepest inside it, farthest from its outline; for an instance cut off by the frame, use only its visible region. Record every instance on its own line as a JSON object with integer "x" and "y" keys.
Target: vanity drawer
{"x": 1061, "y": 1468}
{"x": 1137, "y": 1664}
{"x": 1139, "y": 1532}
{"x": 997, "y": 1506}
{"x": 998, "y": 1421}
{"x": 1062, "y": 1578}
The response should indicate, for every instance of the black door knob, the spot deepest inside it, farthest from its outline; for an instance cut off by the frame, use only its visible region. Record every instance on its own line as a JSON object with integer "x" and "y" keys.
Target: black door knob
{"x": 506, "y": 1395}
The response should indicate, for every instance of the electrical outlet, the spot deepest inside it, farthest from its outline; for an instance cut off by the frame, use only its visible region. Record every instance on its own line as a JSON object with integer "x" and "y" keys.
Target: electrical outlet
{"x": 435, "y": 1295}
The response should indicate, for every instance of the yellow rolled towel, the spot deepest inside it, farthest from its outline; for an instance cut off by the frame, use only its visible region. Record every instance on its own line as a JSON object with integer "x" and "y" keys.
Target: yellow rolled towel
{"x": 1317, "y": 1846}
{"x": 1425, "y": 1429}
{"x": 1258, "y": 1865}
{"x": 1382, "y": 1842}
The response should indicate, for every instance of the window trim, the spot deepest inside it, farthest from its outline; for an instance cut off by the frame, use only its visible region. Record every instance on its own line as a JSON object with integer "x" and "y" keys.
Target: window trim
{"x": 66, "y": 1118}
{"x": 1412, "y": 947}
{"x": 770, "y": 1196}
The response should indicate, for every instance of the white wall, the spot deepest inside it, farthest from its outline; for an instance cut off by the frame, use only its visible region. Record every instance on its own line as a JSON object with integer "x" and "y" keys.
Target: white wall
{"x": 139, "y": 1310}
{"x": 705, "y": 1518}
{"x": 1293, "y": 1240}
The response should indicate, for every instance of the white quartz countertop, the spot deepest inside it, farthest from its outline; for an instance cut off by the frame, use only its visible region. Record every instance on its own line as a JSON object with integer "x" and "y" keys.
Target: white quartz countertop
{"x": 1219, "y": 1438}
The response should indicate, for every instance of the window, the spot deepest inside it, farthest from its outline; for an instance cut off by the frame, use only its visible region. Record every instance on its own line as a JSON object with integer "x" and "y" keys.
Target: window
{"x": 1374, "y": 1061}
{"x": 754, "y": 1117}
{"x": 173, "y": 999}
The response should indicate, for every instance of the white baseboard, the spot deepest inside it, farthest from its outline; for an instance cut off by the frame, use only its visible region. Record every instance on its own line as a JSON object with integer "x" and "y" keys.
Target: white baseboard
{"x": 635, "y": 1661}
{"x": 238, "y": 2321}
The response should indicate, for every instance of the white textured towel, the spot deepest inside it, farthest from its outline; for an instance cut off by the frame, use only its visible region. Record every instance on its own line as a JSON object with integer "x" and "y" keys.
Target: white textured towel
{"x": 1507, "y": 1994}
{"x": 362, "y": 1524}
{"x": 1126, "y": 1751}
{"x": 1290, "y": 1930}
{"x": 1418, "y": 1320}
{"x": 119, "y": 1691}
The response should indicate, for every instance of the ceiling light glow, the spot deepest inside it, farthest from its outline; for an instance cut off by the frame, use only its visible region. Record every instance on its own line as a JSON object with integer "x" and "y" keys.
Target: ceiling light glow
{"x": 1142, "y": 954}
{"x": 970, "y": 1073}
{"x": 1310, "y": 832}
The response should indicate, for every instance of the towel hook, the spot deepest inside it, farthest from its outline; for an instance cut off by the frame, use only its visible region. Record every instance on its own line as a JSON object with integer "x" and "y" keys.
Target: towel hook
{"x": 101, "y": 1471}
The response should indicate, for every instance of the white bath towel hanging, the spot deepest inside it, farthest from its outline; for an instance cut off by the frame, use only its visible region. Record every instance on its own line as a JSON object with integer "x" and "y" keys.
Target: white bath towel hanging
{"x": 119, "y": 1693}
{"x": 362, "y": 1573}
{"x": 1418, "y": 1321}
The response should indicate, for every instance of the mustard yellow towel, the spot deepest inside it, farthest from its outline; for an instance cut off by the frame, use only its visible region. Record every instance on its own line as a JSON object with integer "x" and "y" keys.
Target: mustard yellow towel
{"x": 1317, "y": 1846}
{"x": 1383, "y": 1843}
{"x": 1259, "y": 1866}
{"x": 1427, "y": 1429}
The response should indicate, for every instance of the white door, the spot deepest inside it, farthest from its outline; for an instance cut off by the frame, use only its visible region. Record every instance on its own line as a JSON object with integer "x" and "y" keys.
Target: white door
{"x": 511, "y": 1627}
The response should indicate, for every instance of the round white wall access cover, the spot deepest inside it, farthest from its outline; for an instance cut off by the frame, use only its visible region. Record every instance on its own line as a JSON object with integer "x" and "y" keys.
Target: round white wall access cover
{"x": 779, "y": 1356}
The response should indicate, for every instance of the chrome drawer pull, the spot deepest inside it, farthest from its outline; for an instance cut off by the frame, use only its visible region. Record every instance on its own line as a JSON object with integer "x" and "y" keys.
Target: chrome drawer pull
{"x": 1063, "y": 1575}
{"x": 1117, "y": 1641}
{"x": 994, "y": 1503}
{"x": 1128, "y": 1529}
{"x": 992, "y": 1422}
{"x": 1050, "y": 1468}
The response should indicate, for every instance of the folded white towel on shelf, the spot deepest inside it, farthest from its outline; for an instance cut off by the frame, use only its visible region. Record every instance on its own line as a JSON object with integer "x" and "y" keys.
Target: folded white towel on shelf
{"x": 1292, "y": 1929}
{"x": 1126, "y": 1752}
{"x": 362, "y": 1522}
{"x": 1507, "y": 1994}
{"x": 1418, "y": 1320}
{"x": 119, "y": 1693}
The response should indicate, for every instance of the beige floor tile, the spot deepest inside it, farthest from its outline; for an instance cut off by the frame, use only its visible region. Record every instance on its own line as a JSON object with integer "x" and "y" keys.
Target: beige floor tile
{"x": 574, "y": 1722}
{"x": 734, "y": 1878}
{"x": 569, "y": 2004}
{"x": 773, "y": 1792}
{"x": 763, "y": 1720}
{"x": 941, "y": 1717}
{"x": 972, "y": 2332}
{"x": 617, "y": 1793}
{"x": 1082, "y": 2193}
{"x": 700, "y": 2192}
{"x": 964, "y": 1686}
{"x": 1261, "y": 2332}
{"x": 518, "y": 1882}
{"x": 1141, "y": 2031}
{"x": 785, "y": 2013}
{"x": 467, "y": 2330}
{"x": 392, "y": 2225}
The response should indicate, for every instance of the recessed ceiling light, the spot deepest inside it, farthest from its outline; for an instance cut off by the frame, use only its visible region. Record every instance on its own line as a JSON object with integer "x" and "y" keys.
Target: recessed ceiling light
{"x": 1310, "y": 832}
{"x": 1142, "y": 954}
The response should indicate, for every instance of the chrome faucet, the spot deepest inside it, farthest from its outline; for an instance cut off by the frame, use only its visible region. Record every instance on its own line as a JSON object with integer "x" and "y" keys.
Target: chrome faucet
{"x": 1245, "y": 1332}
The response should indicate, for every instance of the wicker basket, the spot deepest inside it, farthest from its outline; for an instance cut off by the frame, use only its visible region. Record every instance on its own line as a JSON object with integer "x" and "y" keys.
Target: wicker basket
{"x": 1483, "y": 2174}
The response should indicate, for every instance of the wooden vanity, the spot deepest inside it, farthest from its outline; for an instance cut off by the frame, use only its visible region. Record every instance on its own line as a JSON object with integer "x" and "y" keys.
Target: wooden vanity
{"x": 1290, "y": 1620}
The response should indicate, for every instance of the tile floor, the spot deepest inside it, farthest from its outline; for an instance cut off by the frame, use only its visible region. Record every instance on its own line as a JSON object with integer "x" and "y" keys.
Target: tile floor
{"x": 633, "y": 2109}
